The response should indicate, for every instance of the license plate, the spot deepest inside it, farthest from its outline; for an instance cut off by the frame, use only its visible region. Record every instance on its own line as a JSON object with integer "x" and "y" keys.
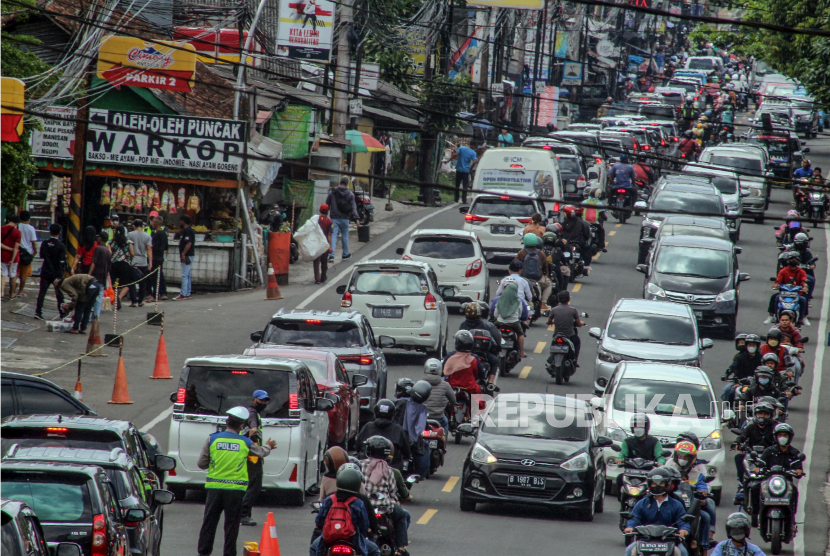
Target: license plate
{"x": 526, "y": 481}
{"x": 433, "y": 444}
{"x": 699, "y": 314}
{"x": 558, "y": 349}
{"x": 661, "y": 547}
{"x": 496, "y": 229}
{"x": 387, "y": 312}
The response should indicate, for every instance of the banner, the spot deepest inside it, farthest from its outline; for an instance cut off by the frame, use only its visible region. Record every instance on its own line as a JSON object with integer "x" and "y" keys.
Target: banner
{"x": 301, "y": 194}
{"x": 12, "y": 92}
{"x": 290, "y": 127}
{"x": 548, "y": 107}
{"x": 152, "y": 65}
{"x": 217, "y": 46}
{"x": 572, "y": 72}
{"x": 57, "y": 138}
{"x": 515, "y": 4}
{"x": 560, "y": 49}
{"x": 305, "y": 29}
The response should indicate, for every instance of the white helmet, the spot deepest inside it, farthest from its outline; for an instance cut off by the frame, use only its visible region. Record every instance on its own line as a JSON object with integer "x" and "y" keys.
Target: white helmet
{"x": 735, "y": 76}
{"x": 433, "y": 367}
{"x": 239, "y": 412}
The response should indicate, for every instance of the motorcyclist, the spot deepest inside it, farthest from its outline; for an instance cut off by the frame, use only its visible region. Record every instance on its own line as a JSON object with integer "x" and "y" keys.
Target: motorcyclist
{"x": 349, "y": 487}
{"x": 535, "y": 226}
{"x": 641, "y": 444}
{"x": 805, "y": 171}
{"x": 727, "y": 118}
{"x": 332, "y": 460}
{"x": 461, "y": 367}
{"x": 509, "y": 310}
{"x": 566, "y": 321}
{"x": 789, "y": 229}
{"x": 596, "y": 215}
{"x": 514, "y": 270}
{"x": 763, "y": 384}
{"x": 534, "y": 265}
{"x": 787, "y": 328}
{"x": 573, "y": 230}
{"x": 384, "y": 426}
{"x": 684, "y": 459}
{"x": 743, "y": 365}
{"x": 657, "y": 508}
{"x": 790, "y": 274}
{"x": 586, "y": 235}
{"x": 689, "y": 146}
{"x": 643, "y": 172}
{"x": 442, "y": 393}
{"x": 783, "y": 454}
{"x": 415, "y": 422}
{"x": 378, "y": 478}
{"x": 623, "y": 176}
{"x": 738, "y": 530}
{"x": 801, "y": 243}
{"x": 473, "y": 321}
{"x": 757, "y": 432}
{"x": 689, "y": 112}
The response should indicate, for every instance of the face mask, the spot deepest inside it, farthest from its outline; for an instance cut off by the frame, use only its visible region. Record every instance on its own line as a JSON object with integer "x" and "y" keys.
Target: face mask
{"x": 742, "y": 347}
{"x": 763, "y": 381}
{"x": 783, "y": 440}
{"x": 752, "y": 349}
{"x": 683, "y": 462}
{"x": 792, "y": 263}
{"x": 773, "y": 343}
{"x": 738, "y": 536}
{"x": 639, "y": 432}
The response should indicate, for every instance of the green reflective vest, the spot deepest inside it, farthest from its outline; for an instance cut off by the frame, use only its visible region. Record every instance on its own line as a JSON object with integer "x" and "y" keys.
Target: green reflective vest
{"x": 228, "y": 461}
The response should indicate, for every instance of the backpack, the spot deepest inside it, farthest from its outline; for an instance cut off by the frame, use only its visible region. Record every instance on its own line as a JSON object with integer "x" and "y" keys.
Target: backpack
{"x": 344, "y": 204}
{"x": 532, "y": 266}
{"x": 338, "y": 525}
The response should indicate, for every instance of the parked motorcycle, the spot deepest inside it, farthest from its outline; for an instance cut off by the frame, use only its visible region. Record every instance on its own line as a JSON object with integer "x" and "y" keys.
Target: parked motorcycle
{"x": 365, "y": 209}
{"x": 776, "y": 509}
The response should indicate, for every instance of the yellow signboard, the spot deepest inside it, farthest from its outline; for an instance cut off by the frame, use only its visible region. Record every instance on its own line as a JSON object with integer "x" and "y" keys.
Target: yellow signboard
{"x": 12, "y": 101}
{"x": 149, "y": 64}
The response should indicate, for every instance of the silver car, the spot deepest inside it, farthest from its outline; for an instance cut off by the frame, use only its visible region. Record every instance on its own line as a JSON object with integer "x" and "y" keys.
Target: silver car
{"x": 644, "y": 330}
{"x": 729, "y": 186}
{"x": 751, "y": 162}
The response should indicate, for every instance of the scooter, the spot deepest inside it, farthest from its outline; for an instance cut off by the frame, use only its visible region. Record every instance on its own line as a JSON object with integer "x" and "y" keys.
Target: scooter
{"x": 788, "y": 295}
{"x": 656, "y": 540}
{"x": 620, "y": 200}
{"x": 776, "y": 506}
{"x": 365, "y": 209}
{"x": 536, "y": 290}
{"x": 509, "y": 356}
{"x": 692, "y": 500}
{"x": 816, "y": 206}
{"x": 594, "y": 239}
{"x": 561, "y": 363}
{"x": 633, "y": 486}
{"x": 436, "y": 437}
{"x": 461, "y": 413}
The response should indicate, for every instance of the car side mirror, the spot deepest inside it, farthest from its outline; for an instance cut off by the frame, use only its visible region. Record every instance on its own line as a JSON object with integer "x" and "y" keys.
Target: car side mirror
{"x": 604, "y": 441}
{"x": 256, "y": 336}
{"x": 162, "y": 497}
{"x": 136, "y": 515}
{"x": 595, "y": 332}
{"x": 732, "y": 213}
{"x": 640, "y": 205}
{"x": 744, "y": 277}
{"x": 465, "y": 428}
{"x": 68, "y": 549}
{"x": 341, "y": 289}
{"x": 164, "y": 463}
{"x": 359, "y": 380}
{"x": 323, "y": 404}
{"x": 738, "y": 250}
{"x": 331, "y": 396}
{"x": 597, "y": 403}
{"x": 706, "y": 343}
{"x": 615, "y": 448}
{"x": 666, "y": 453}
{"x": 727, "y": 415}
{"x": 463, "y": 210}
{"x": 173, "y": 396}
{"x": 642, "y": 268}
{"x": 386, "y": 341}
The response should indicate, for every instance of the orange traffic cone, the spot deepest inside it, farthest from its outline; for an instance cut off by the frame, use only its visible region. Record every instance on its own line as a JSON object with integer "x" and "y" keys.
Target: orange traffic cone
{"x": 269, "y": 544}
{"x": 120, "y": 394}
{"x": 94, "y": 340}
{"x": 162, "y": 368}
{"x": 79, "y": 391}
{"x": 273, "y": 291}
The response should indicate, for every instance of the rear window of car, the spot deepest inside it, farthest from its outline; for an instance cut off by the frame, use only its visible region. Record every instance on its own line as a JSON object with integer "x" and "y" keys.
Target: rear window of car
{"x": 701, "y": 63}
{"x": 673, "y": 201}
{"x": 657, "y": 112}
{"x": 443, "y": 248}
{"x": 513, "y": 208}
{"x": 390, "y": 281}
{"x": 614, "y": 148}
{"x": 669, "y": 129}
{"x": 626, "y": 140}
{"x": 312, "y": 333}
{"x": 586, "y": 144}
{"x": 674, "y": 99}
{"x": 214, "y": 390}
{"x": 698, "y": 231}
{"x": 31, "y": 437}
{"x": 62, "y": 498}
{"x": 569, "y": 166}
{"x": 727, "y": 186}
{"x": 689, "y": 87}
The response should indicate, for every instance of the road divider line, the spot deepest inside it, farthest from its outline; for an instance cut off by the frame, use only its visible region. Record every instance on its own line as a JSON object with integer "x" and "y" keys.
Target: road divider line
{"x": 612, "y": 233}
{"x": 577, "y": 287}
{"x": 451, "y": 482}
{"x": 525, "y": 372}
{"x": 619, "y": 226}
{"x": 426, "y": 517}
{"x": 551, "y": 328}
{"x": 158, "y": 419}
{"x": 540, "y": 347}
{"x": 595, "y": 257}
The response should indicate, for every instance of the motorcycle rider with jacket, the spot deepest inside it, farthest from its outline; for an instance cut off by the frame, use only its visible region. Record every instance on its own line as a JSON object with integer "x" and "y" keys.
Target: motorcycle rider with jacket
{"x": 756, "y": 432}
{"x": 689, "y": 146}
{"x": 442, "y": 393}
{"x": 573, "y": 229}
{"x": 622, "y": 176}
{"x": 784, "y": 454}
{"x": 461, "y": 367}
{"x": 801, "y": 243}
{"x": 514, "y": 270}
{"x": 566, "y": 321}
{"x": 378, "y": 477}
{"x": 658, "y": 508}
{"x": 737, "y": 529}
{"x": 533, "y": 271}
{"x": 684, "y": 459}
{"x": 473, "y": 320}
{"x": 384, "y": 426}
{"x": 641, "y": 445}
{"x": 790, "y": 274}
{"x": 743, "y": 365}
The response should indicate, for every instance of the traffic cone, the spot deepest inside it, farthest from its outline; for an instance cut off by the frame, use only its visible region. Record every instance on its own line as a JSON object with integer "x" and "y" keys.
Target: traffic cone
{"x": 79, "y": 391}
{"x": 94, "y": 340}
{"x": 273, "y": 291}
{"x": 269, "y": 544}
{"x": 162, "y": 368}
{"x": 120, "y": 394}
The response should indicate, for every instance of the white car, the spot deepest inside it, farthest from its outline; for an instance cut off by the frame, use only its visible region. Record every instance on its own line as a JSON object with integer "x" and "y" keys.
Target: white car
{"x": 499, "y": 220}
{"x": 676, "y": 399}
{"x": 728, "y": 185}
{"x": 295, "y": 417}
{"x": 458, "y": 260}
{"x": 402, "y": 300}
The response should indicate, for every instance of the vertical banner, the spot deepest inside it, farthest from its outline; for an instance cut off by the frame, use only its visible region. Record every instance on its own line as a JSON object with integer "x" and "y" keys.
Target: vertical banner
{"x": 305, "y": 30}
{"x": 299, "y": 193}
{"x": 560, "y": 49}
{"x": 12, "y": 93}
{"x": 290, "y": 127}
{"x": 548, "y": 107}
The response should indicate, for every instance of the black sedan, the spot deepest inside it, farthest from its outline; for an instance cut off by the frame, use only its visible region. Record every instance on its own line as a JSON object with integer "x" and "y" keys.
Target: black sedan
{"x": 536, "y": 449}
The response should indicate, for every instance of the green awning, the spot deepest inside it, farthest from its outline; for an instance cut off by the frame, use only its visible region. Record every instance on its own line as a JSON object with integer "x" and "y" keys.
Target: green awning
{"x": 151, "y": 171}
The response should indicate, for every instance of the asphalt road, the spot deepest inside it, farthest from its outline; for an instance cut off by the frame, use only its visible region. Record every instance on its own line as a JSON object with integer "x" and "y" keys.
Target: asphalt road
{"x": 222, "y": 323}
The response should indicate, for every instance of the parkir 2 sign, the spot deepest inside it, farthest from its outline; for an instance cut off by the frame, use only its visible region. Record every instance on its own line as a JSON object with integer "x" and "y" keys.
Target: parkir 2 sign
{"x": 149, "y": 64}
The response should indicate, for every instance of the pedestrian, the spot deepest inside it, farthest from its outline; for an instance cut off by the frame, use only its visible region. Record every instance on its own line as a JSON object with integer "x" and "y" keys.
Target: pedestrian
{"x": 505, "y": 138}
{"x": 224, "y": 455}
{"x": 10, "y": 245}
{"x": 342, "y": 205}
{"x": 253, "y": 430}
{"x": 465, "y": 160}
{"x": 321, "y": 263}
{"x": 110, "y": 225}
{"x": 142, "y": 262}
{"x": 187, "y": 239}
{"x": 83, "y": 256}
{"x": 53, "y": 253}
{"x": 121, "y": 271}
{"x": 28, "y": 250}
{"x": 84, "y": 290}
{"x": 160, "y": 243}
{"x": 100, "y": 270}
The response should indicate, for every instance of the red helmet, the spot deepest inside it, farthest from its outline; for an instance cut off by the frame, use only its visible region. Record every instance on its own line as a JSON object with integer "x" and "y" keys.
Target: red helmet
{"x": 579, "y": 211}
{"x": 569, "y": 210}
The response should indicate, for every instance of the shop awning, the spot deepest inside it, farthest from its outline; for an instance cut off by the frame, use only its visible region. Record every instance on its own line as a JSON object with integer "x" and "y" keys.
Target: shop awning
{"x": 409, "y": 122}
{"x": 262, "y": 171}
{"x": 129, "y": 172}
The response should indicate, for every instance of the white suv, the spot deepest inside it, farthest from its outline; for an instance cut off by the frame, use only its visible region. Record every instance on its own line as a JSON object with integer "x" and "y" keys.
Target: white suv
{"x": 458, "y": 260}
{"x": 401, "y": 299}
{"x": 499, "y": 220}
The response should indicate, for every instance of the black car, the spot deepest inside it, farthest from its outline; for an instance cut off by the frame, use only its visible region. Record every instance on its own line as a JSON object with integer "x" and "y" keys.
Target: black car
{"x": 144, "y": 535}
{"x": 75, "y": 503}
{"x": 22, "y": 533}
{"x": 698, "y": 271}
{"x": 686, "y": 226}
{"x": 31, "y": 395}
{"x": 554, "y": 460}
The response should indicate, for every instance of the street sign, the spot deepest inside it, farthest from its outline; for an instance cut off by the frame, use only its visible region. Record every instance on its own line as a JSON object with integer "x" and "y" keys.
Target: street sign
{"x": 605, "y": 49}
{"x": 572, "y": 72}
{"x": 356, "y": 107}
{"x": 369, "y": 75}
{"x": 538, "y": 87}
{"x": 149, "y": 64}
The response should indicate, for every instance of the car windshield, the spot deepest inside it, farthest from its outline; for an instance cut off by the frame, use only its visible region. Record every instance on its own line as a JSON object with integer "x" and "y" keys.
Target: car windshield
{"x": 442, "y": 248}
{"x": 31, "y": 437}
{"x": 61, "y": 498}
{"x": 546, "y": 420}
{"x": 701, "y": 63}
{"x": 747, "y": 164}
{"x": 682, "y": 202}
{"x": 214, "y": 390}
{"x": 693, "y": 261}
{"x": 613, "y": 148}
{"x": 697, "y": 231}
{"x": 491, "y": 206}
{"x": 654, "y": 329}
{"x": 663, "y": 398}
{"x": 727, "y": 186}
{"x": 311, "y": 333}
{"x": 569, "y": 166}
{"x": 392, "y": 281}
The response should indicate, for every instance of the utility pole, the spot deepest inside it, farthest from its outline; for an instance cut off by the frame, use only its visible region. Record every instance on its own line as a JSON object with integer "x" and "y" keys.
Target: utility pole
{"x": 341, "y": 78}
{"x": 428, "y": 137}
{"x": 76, "y": 200}
{"x": 484, "y": 81}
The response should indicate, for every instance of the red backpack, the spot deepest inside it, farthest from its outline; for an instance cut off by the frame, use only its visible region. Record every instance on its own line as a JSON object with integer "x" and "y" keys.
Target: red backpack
{"x": 338, "y": 525}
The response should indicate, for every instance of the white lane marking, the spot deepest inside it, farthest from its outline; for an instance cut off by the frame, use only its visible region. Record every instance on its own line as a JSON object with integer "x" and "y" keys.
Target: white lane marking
{"x": 812, "y": 414}
{"x": 348, "y": 270}
{"x": 158, "y": 419}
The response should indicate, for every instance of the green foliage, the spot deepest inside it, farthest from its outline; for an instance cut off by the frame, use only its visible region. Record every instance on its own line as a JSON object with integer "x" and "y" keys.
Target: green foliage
{"x": 396, "y": 66}
{"x": 442, "y": 98}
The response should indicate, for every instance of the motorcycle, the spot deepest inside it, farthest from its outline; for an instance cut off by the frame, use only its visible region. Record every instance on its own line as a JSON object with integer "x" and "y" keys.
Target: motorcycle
{"x": 788, "y": 295}
{"x": 509, "y": 356}
{"x": 561, "y": 363}
{"x": 692, "y": 501}
{"x": 536, "y": 290}
{"x": 656, "y": 540}
{"x": 816, "y": 206}
{"x": 365, "y": 209}
{"x": 461, "y": 413}
{"x": 776, "y": 509}
{"x": 594, "y": 239}
{"x": 620, "y": 200}
{"x": 436, "y": 437}
{"x": 633, "y": 486}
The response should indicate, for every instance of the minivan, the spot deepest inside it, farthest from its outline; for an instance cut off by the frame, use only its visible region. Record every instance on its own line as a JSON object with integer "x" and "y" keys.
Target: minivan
{"x": 516, "y": 170}
{"x": 499, "y": 221}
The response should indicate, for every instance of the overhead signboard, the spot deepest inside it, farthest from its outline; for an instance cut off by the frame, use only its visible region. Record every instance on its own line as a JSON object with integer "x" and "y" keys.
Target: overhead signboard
{"x": 369, "y": 75}
{"x": 305, "y": 29}
{"x": 12, "y": 93}
{"x": 149, "y": 64}
{"x": 57, "y": 138}
{"x": 217, "y": 46}
{"x": 515, "y": 4}
{"x": 572, "y": 72}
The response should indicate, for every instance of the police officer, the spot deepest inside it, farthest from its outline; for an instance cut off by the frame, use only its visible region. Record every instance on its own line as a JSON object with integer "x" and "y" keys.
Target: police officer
{"x": 225, "y": 456}
{"x": 253, "y": 430}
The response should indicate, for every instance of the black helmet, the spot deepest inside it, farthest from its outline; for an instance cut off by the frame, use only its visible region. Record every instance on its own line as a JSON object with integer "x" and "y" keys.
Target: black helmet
{"x": 691, "y": 437}
{"x": 793, "y": 255}
{"x": 402, "y": 387}
{"x": 549, "y": 238}
{"x": 753, "y": 339}
{"x": 783, "y": 428}
{"x": 640, "y": 420}
{"x": 378, "y": 447}
{"x": 769, "y": 357}
{"x": 464, "y": 340}
{"x": 659, "y": 480}
{"x": 774, "y": 334}
{"x": 763, "y": 371}
{"x": 349, "y": 480}
{"x": 334, "y": 458}
{"x": 739, "y": 338}
{"x": 384, "y": 409}
{"x": 763, "y": 406}
{"x": 485, "y": 310}
{"x": 420, "y": 391}
{"x": 676, "y": 477}
{"x": 738, "y": 526}
{"x": 472, "y": 310}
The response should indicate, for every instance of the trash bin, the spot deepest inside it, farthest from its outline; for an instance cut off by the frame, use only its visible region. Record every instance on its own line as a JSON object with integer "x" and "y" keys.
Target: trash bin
{"x": 363, "y": 234}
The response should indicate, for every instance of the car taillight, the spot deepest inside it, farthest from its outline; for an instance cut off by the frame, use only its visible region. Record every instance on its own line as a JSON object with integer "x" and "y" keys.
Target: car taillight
{"x": 675, "y": 139}
{"x": 662, "y": 143}
{"x": 682, "y": 155}
{"x": 645, "y": 147}
{"x": 406, "y": 258}
{"x": 180, "y": 395}
{"x": 293, "y": 401}
{"x": 547, "y": 147}
{"x": 359, "y": 359}
{"x": 525, "y": 220}
{"x": 293, "y": 477}
{"x": 475, "y": 218}
{"x": 556, "y": 207}
{"x": 620, "y": 190}
{"x": 473, "y": 269}
{"x": 99, "y": 536}
{"x": 430, "y": 303}
{"x": 347, "y": 300}
{"x": 599, "y": 160}
{"x": 697, "y": 98}
{"x": 636, "y": 145}
{"x": 580, "y": 182}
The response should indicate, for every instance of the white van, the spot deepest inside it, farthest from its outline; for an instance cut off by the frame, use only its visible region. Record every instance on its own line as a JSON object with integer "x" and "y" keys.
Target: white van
{"x": 295, "y": 417}
{"x": 520, "y": 171}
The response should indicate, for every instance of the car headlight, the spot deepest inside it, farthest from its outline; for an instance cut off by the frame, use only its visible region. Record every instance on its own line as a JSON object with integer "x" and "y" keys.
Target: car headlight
{"x": 609, "y": 356}
{"x": 731, "y": 206}
{"x": 777, "y": 485}
{"x": 711, "y": 442}
{"x": 654, "y": 289}
{"x": 576, "y": 463}
{"x": 728, "y": 295}
{"x": 482, "y": 455}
